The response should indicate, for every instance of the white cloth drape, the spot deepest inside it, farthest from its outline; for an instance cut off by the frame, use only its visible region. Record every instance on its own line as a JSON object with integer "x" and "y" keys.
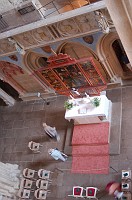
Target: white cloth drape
{"x": 9, "y": 180}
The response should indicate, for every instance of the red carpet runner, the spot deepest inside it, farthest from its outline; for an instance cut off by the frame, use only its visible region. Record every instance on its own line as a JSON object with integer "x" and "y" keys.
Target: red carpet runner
{"x": 90, "y": 149}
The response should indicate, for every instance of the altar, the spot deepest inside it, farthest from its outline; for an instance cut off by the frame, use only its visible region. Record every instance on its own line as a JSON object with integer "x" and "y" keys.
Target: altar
{"x": 83, "y": 112}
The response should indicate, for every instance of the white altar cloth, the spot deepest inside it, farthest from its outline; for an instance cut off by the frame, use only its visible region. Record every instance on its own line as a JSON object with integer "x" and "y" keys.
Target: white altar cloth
{"x": 85, "y": 113}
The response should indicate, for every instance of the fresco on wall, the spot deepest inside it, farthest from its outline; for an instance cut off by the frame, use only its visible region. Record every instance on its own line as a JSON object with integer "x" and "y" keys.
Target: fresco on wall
{"x": 16, "y": 59}
{"x": 13, "y": 57}
{"x": 88, "y": 39}
{"x": 47, "y": 49}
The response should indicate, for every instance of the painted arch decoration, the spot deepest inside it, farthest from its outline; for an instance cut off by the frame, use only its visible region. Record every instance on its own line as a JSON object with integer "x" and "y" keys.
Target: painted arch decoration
{"x": 7, "y": 73}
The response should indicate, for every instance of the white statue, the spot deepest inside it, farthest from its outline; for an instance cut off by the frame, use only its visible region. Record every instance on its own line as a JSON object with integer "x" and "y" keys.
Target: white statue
{"x": 17, "y": 46}
{"x": 51, "y": 131}
{"x": 103, "y": 22}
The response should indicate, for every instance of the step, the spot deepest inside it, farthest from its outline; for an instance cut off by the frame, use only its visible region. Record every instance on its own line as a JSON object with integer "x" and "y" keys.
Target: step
{"x": 68, "y": 139}
{"x": 115, "y": 128}
{"x": 91, "y": 134}
{"x": 90, "y": 150}
{"x": 115, "y": 96}
{"x": 90, "y": 164}
{"x": 127, "y": 82}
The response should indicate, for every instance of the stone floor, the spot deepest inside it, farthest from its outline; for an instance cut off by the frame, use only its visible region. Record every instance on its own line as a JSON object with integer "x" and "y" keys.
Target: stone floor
{"x": 23, "y": 122}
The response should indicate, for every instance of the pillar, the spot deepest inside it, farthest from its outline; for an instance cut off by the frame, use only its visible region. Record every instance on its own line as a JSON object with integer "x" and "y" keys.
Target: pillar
{"x": 121, "y": 14}
{"x": 7, "y": 98}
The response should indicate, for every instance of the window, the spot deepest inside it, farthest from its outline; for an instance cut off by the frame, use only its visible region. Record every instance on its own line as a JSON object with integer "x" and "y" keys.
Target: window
{"x": 26, "y": 10}
{"x": 3, "y": 24}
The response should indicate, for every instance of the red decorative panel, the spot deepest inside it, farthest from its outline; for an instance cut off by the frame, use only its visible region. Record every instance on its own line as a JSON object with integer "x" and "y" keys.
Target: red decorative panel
{"x": 69, "y": 76}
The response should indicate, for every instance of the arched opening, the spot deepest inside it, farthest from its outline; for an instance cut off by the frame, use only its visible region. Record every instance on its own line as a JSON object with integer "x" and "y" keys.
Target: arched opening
{"x": 42, "y": 61}
{"x": 9, "y": 90}
{"x": 121, "y": 55}
{"x": 34, "y": 62}
{"x": 76, "y": 50}
{"x": 112, "y": 54}
{"x": 2, "y": 103}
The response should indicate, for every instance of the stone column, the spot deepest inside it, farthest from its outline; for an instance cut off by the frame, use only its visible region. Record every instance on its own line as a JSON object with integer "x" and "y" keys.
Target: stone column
{"x": 121, "y": 14}
{"x": 7, "y": 98}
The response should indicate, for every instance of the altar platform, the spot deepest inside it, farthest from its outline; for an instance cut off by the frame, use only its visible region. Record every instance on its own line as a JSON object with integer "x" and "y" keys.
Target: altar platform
{"x": 84, "y": 112}
{"x": 90, "y": 148}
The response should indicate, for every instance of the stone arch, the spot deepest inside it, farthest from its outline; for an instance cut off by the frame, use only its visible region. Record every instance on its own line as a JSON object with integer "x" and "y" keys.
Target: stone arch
{"x": 32, "y": 62}
{"x": 108, "y": 57}
{"x": 77, "y": 50}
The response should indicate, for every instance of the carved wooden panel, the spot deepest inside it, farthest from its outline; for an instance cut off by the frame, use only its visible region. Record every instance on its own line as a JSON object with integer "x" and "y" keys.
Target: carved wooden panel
{"x": 65, "y": 75}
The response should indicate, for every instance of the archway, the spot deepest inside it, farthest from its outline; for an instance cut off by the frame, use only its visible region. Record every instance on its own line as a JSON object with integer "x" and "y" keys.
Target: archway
{"x": 33, "y": 62}
{"x": 122, "y": 57}
{"x": 9, "y": 86}
{"x": 107, "y": 53}
{"x": 2, "y": 103}
{"x": 76, "y": 50}
{"x": 9, "y": 90}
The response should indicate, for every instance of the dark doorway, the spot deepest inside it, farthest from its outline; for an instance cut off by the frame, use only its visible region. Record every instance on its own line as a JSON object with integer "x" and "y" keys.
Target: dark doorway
{"x": 9, "y": 90}
{"x": 43, "y": 62}
{"x": 121, "y": 55}
{"x": 2, "y": 103}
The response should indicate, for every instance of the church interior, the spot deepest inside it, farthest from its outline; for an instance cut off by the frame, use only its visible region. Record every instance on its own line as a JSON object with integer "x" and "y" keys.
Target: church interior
{"x": 53, "y": 53}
